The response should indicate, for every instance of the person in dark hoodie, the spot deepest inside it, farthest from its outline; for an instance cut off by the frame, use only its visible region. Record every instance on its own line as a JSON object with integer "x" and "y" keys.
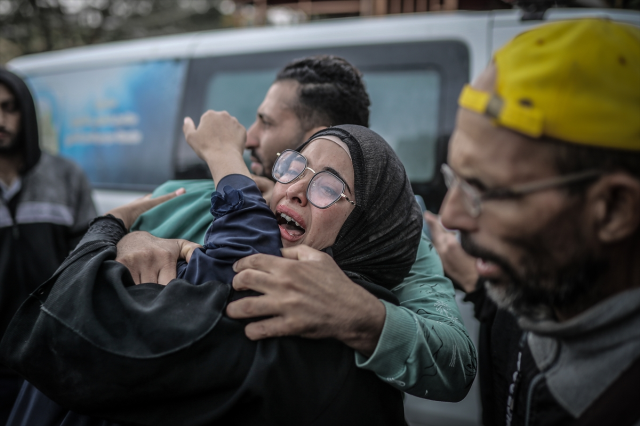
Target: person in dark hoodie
{"x": 45, "y": 208}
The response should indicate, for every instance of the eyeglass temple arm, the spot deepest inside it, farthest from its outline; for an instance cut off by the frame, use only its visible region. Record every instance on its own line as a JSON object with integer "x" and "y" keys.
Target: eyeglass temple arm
{"x": 347, "y": 198}
{"x": 539, "y": 186}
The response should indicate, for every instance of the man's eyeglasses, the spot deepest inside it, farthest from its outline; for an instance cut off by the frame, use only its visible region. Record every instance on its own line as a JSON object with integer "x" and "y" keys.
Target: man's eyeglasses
{"x": 473, "y": 198}
{"x": 324, "y": 189}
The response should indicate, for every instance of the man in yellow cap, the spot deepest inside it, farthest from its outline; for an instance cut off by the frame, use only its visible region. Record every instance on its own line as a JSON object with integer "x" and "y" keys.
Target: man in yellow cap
{"x": 544, "y": 188}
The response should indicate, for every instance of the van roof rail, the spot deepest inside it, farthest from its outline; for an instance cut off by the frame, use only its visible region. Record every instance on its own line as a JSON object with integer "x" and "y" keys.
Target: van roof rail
{"x": 534, "y": 10}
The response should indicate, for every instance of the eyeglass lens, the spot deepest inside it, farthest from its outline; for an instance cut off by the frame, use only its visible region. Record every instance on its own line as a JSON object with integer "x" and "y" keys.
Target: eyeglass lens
{"x": 323, "y": 190}
{"x": 289, "y": 166}
{"x": 470, "y": 197}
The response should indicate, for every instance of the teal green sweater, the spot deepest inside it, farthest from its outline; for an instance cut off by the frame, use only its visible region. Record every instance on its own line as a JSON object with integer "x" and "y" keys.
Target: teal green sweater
{"x": 424, "y": 348}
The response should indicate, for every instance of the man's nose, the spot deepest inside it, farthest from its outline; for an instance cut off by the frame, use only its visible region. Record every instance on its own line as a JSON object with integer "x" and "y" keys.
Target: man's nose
{"x": 454, "y": 214}
{"x": 252, "y": 136}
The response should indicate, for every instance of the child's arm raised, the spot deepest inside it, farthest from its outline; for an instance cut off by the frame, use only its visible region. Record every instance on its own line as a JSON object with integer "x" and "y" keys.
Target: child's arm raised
{"x": 219, "y": 140}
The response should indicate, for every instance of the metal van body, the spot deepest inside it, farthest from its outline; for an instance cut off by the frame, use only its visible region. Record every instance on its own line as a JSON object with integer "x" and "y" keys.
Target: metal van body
{"x": 116, "y": 109}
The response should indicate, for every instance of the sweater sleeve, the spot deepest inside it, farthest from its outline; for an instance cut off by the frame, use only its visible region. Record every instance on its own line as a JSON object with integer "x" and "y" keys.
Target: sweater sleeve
{"x": 243, "y": 225}
{"x": 424, "y": 348}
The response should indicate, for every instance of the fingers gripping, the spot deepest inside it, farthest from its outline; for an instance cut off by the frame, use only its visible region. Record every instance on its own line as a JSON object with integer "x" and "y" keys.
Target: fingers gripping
{"x": 259, "y": 262}
{"x": 303, "y": 253}
{"x": 252, "y": 307}
{"x": 186, "y": 249}
{"x": 272, "y": 327}
{"x": 252, "y": 279}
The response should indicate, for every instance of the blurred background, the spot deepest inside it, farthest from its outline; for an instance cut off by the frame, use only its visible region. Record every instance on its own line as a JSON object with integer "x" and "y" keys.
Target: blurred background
{"x": 32, "y": 26}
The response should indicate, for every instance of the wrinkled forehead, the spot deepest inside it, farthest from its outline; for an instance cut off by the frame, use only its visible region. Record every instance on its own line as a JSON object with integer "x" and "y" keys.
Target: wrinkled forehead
{"x": 495, "y": 155}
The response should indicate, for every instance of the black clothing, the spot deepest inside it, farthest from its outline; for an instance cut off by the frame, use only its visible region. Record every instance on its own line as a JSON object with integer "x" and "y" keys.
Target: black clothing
{"x": 193, "y": 365}
{"x": 502, "y": 343}
{"x": 379, "y": 238}
{"x": 32, "y": 408}
{"x": 28, "y": 142}
{"x": 43, "y": 215}
{"x": 39, "y": 226}
{"x": 149, "y": 354}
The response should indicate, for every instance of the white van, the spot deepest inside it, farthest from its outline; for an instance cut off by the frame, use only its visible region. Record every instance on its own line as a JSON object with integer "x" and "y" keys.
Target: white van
{"x": 117, "y": 109}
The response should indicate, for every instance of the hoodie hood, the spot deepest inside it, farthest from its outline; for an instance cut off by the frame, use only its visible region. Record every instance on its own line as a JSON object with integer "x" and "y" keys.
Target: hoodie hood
{"x": 28, "y": 141}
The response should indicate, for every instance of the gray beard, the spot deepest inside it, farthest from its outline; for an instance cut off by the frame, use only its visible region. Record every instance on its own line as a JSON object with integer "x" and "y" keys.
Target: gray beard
{"x": 508, "y": 298}
{"x": 537, "y": 296}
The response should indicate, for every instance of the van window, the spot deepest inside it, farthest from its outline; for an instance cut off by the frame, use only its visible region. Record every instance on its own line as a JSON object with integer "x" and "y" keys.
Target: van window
{"x": 238, "y": 93}
{"x": 404, "y": 111}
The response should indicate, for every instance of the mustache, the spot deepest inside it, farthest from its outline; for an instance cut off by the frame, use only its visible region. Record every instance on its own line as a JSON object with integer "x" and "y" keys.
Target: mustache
{"x": 543, "y": 285}
{"x": 255, "y": 155}
{"x": 4, "y": 130}
{"x": 265, "y": 173}
{"x": 474, "y": 250}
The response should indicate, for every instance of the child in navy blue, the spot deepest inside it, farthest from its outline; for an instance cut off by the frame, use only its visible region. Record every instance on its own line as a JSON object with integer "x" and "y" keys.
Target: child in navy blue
{"x": 243, "y": 224}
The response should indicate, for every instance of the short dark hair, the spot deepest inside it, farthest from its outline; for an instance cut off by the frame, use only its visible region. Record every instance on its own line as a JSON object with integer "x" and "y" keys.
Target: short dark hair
{"x": 574, "y": 158}
{"x": 331, "y": 91}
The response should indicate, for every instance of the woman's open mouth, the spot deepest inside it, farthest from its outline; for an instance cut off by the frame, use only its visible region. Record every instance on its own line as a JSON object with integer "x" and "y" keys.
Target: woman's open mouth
{"x": 290, "y": 229}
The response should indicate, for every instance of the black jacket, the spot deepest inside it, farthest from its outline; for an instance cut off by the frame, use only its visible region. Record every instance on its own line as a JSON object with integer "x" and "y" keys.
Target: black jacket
{"x": 517, "y": 394}
{"x": 148, "y": 354}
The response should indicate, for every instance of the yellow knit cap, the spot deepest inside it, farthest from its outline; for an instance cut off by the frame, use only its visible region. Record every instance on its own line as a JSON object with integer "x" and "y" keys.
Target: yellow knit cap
{"x": 577, "y": 81}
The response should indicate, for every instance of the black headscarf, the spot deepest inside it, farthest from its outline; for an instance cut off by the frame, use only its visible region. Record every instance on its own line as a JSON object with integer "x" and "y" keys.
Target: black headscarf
{"x": 28, "y": 136}
{"x": 379, "y": 239}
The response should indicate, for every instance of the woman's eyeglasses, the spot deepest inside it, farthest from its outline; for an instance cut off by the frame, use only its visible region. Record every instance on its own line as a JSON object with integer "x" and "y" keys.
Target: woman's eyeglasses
{"x": 324, "y": 189}
{"x": 472, "y": 198}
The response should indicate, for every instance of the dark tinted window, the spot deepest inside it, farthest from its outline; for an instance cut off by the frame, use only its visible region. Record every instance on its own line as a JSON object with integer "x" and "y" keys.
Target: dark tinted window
{"x": 404, "y": 111}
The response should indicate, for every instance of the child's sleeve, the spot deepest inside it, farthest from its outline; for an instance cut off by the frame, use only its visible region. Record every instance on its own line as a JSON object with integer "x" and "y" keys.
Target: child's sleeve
{"x": 243, "y": 225}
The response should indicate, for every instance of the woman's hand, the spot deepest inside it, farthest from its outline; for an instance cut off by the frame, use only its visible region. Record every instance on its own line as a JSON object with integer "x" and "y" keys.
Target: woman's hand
{"x": 151, "y": 259}
{"x": 129, "y": 212}
{"x": 218, "y": 133}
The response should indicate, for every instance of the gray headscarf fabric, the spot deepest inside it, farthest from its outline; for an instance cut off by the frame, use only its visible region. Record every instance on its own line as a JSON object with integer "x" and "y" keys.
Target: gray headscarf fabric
{"x": 379, "y": 239}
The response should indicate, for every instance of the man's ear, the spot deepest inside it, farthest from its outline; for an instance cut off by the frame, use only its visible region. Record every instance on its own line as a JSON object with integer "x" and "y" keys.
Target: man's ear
{"x": 617, "y": 206}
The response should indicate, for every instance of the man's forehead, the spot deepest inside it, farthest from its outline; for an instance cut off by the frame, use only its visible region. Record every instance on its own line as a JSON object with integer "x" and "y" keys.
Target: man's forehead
{"x": 282, "y": 96}
{"x": 496, "y": 155}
